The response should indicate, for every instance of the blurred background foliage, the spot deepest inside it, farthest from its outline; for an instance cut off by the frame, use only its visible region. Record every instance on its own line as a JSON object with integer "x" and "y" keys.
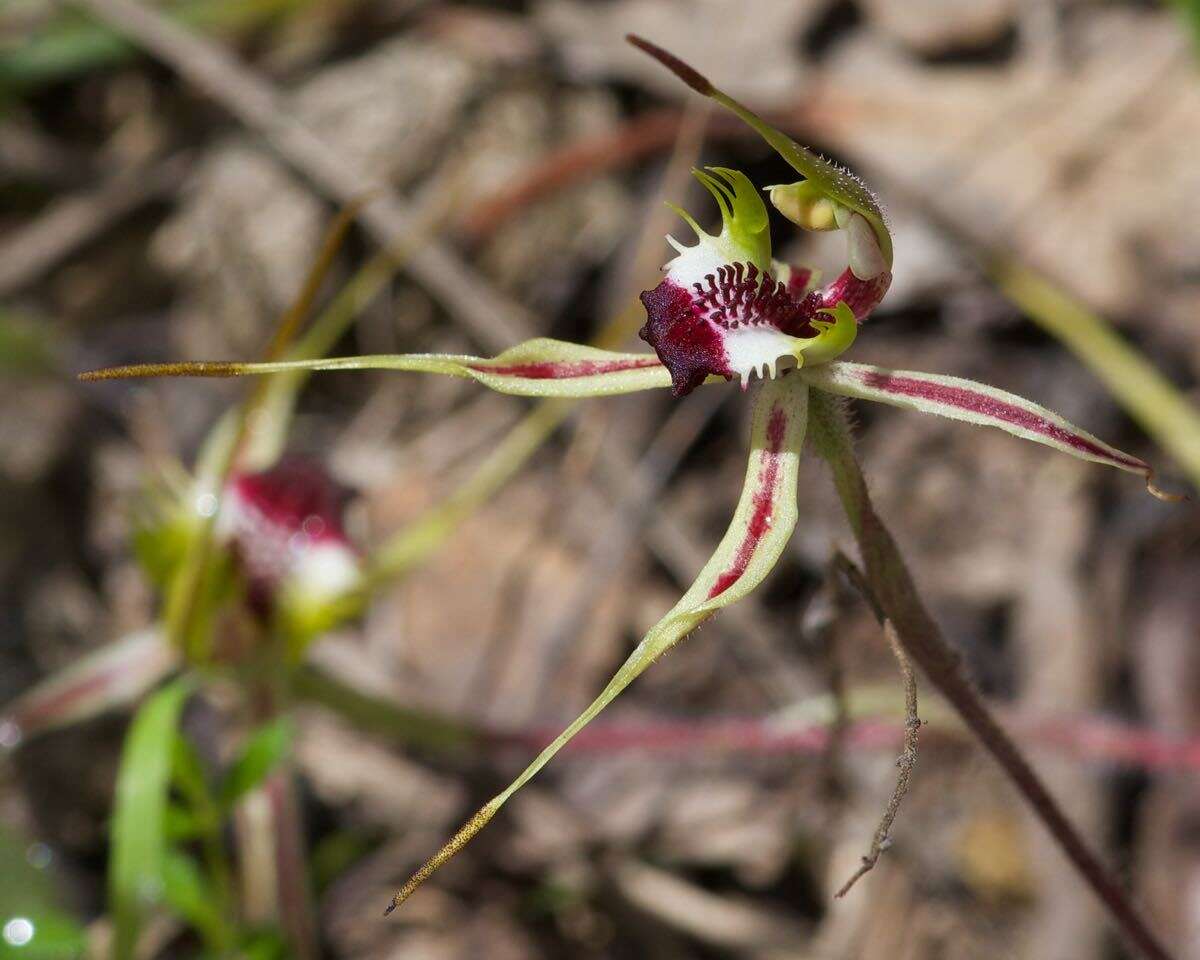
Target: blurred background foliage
{"x": 204, "y": 754}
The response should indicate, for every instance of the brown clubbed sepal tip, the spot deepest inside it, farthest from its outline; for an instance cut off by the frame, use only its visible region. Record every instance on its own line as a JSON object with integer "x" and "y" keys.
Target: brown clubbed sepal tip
{"x": 189, "y": 368}
{"x": 689, "y": 75}
{"x": 1159, "y": 493}
{"x": 452, "y": 846}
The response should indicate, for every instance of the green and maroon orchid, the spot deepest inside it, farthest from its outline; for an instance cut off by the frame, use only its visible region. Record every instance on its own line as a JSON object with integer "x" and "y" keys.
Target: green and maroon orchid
{"x": 726, "y": 309}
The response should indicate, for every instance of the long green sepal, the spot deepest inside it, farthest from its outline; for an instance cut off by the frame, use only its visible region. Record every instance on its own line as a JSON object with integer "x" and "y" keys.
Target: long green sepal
{"x": 535, "y": 368}
{"x": 976, "y": 403}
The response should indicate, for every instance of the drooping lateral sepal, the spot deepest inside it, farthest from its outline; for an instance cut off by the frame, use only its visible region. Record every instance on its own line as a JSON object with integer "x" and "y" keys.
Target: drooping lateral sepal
{"x": 977, "y": 403}
{"x": 761, "y": 526}
{"x": 109, "y": 678}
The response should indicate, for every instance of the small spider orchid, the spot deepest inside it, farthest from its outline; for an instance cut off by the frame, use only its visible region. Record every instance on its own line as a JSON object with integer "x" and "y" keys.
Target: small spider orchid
{"x": 284, "y": 527}
{"x": 726, "y": 309}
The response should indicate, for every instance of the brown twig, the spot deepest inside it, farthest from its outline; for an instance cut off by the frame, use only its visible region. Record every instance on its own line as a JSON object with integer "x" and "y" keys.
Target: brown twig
{"x": 493, "y": 319}
{"x": 893, "y": 586}
{"x": 641, "y": 136}
{"x": 72, "y": 221}
{"x": 906, "y": 761}
{"x": 1086, "y": 739}
{"x": 625, "y": 144}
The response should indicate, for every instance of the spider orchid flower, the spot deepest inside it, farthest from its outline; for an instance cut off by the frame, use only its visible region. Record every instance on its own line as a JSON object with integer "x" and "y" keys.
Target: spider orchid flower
{"x": 284, "y": 527}
{"x": 725, "y": 309}
{"x": 279, "y": 533}
{"x": 281, "y": 552}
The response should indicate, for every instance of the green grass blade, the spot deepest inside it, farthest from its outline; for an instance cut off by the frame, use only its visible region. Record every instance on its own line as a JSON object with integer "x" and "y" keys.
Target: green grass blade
{"x": 138, "y": 830}
{"x": 189, "y": 895}
{"x": 262, "y": 753}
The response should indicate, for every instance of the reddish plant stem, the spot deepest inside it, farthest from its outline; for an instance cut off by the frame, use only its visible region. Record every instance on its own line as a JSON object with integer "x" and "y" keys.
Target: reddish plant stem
{"x": 894, "y": 590}
{"x": 642, "y": 136}
{"x": 1097, "y": 740}
{"x": 1088, "y": 738}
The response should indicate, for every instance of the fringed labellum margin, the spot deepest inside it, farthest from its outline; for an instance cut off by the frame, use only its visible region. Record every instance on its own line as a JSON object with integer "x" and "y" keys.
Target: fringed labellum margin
{"x": 726, "y": 309}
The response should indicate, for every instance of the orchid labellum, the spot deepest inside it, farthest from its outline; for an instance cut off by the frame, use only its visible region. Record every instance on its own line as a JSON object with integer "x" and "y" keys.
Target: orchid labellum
{"x": 727, "y": 310}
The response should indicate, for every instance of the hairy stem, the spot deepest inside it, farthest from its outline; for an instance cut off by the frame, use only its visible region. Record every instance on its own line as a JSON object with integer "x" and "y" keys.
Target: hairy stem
{"x": 906, "y": 761}
{"x": 896, "y": 594}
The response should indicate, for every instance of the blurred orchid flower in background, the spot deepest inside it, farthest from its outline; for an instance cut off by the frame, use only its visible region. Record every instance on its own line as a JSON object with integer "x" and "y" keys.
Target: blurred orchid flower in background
{"x": 724, "y": 310}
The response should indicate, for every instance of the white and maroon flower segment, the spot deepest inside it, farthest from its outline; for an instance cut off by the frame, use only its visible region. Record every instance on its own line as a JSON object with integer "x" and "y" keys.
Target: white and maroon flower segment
{"x": 284, "y": 526}
{"x": 972, "y": 402}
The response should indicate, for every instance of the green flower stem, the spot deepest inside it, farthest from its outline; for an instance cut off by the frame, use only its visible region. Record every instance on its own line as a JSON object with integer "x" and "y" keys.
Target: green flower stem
{"x": 897, "y": 596}
{"x": 189, "y": 778}
{"x": 381, "y": 715}
{"x": 1152, "y": 400}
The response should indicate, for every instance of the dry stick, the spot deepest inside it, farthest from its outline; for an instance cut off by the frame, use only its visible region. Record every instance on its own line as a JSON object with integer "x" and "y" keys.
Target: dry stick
{"x": 893, "y": 586}
{"x": 493, "y": 319}
{"x": 626, "y": 144}
{"x": 906, "y": 761}
{"x": 72, "y": 221}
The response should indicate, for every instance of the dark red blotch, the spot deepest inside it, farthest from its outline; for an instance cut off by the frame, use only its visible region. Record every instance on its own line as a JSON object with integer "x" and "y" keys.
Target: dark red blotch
{"x": 687, "y": 345}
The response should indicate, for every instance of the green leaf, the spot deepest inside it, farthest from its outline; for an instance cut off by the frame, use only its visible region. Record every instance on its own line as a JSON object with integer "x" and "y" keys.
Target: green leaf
{"x": 51, "y": 936}
{"x": 262, "y": 753}
{"x": 189, "y": 895}
{"x": 182, "y": 824}
{"x": 138, "y": 830}
{"x": 264, "y": 945}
